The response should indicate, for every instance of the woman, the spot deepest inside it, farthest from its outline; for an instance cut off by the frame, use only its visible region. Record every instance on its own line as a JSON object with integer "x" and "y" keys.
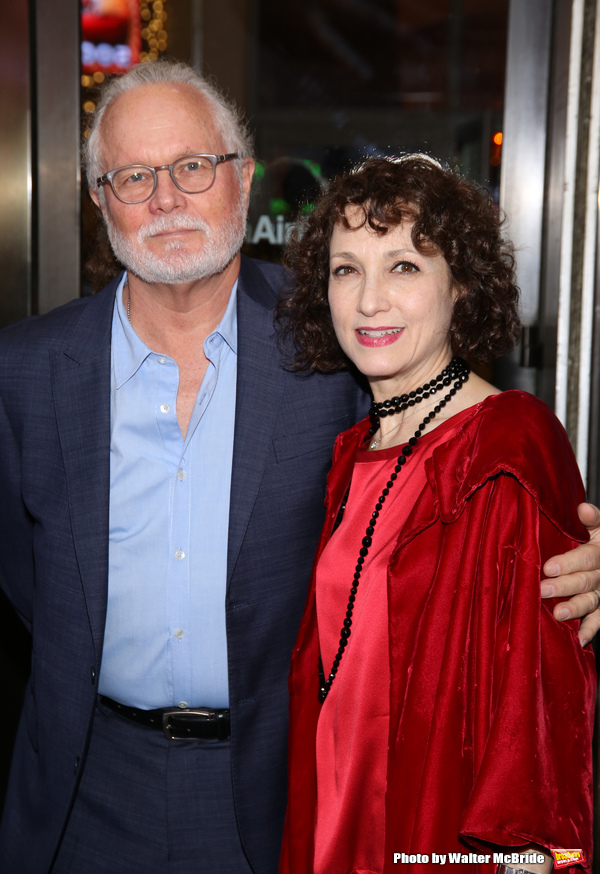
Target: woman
{"x": 436, "y": 721}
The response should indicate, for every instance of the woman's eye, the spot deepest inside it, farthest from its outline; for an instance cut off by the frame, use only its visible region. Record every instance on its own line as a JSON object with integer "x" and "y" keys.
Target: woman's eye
{"x": 405, "y": 267}
{"x": 343, "y": 270}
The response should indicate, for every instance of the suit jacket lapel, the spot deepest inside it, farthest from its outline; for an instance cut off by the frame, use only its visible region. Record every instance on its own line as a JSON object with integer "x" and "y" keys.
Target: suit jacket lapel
{"x": 80, "y": 375}
{"x": 260, "y": 380}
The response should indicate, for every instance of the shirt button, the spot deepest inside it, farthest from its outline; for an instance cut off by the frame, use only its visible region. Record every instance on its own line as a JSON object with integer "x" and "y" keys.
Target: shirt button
{"x": 182, "y": 704}
{"x": 179, "y": 633}
{"x": 181, "y": 475}
{"x": 164, "y": 408}
{"x": 179, "y": 554}
{"x": 162, "y": 360}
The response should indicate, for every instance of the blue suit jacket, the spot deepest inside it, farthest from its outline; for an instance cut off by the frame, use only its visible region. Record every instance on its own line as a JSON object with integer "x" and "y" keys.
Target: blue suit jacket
{"x": 54, "y": 469}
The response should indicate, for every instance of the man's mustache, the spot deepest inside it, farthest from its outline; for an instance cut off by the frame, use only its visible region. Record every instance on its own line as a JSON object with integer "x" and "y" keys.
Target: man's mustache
{"x": 172, "y": 223}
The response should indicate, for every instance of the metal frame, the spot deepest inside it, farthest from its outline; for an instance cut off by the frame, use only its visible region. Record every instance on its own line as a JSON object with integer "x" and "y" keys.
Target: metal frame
{"x": 524, "y": 143}
{"x": 58, "y": 177}
{"x": 523, "y": 172}
{"x": 15, "y": 168}
{"x": 590, "y": 255}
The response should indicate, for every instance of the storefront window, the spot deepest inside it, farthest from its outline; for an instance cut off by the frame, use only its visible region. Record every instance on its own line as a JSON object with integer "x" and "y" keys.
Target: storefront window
{"x": 328, "y": 82}
{"x": 336, "y": 80}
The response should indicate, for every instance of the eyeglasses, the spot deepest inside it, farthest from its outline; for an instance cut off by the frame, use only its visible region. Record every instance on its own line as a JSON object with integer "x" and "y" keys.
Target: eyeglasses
{"x": 192, "y": 174}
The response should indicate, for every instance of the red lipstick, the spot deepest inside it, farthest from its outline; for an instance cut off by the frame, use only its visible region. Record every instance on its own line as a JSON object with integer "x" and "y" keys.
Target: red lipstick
{"x": 375, "y": 337}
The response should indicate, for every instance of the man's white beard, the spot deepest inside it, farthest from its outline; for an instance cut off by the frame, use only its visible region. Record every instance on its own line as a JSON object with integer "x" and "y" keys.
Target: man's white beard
{"x": 176, "y": 264}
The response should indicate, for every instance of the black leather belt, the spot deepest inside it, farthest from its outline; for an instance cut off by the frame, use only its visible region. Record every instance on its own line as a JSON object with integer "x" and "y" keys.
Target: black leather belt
{"x": 192, "y": 723}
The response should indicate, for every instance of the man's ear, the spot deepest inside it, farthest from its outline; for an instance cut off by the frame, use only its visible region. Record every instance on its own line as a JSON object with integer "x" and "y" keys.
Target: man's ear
{"x": 96, "y": 199}
{"x": 247, "y": 174}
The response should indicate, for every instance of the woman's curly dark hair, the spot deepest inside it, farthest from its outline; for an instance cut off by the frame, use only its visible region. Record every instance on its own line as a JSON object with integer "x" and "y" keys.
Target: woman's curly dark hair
{"x": 451, "y": 215}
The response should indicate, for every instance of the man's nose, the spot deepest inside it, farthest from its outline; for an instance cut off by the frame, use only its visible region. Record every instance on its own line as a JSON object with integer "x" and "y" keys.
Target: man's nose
{"x": 167, "y": 196}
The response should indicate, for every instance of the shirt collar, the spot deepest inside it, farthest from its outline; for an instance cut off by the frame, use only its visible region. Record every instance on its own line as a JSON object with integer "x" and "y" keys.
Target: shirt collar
{"x": 227, "y": 327}
{"x": 130, "y": 351}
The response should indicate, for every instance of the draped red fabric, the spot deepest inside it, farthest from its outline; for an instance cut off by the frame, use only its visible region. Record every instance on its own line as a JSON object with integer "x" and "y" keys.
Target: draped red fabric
{"x": 491, "y": 699}
{"x": 354, "y": 721}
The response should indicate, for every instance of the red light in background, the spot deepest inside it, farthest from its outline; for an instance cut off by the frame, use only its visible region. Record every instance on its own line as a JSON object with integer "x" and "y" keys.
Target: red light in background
{"x": 496, "y": 149}
{"x": 111, "y": 32}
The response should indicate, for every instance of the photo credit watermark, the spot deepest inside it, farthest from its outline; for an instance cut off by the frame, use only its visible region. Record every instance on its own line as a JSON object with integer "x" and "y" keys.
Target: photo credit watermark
{"x": 563, "y": 858}
{"x": 479, "y": 858}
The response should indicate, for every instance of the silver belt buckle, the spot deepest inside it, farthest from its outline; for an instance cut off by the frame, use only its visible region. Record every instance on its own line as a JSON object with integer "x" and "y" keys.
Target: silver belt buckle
{"x": 168, "y": 728}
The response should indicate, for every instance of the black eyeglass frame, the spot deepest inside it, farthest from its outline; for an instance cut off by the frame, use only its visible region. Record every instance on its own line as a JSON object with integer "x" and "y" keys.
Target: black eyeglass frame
{"x": 215, "y": 160}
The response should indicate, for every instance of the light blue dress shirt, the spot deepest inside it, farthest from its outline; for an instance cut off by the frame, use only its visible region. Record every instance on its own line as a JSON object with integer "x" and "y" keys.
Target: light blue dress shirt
{"x": 165, "y": 641}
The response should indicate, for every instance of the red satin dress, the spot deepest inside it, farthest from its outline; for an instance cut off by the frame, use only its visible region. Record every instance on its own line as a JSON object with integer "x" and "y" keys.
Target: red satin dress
{"x": 352, "y": 733}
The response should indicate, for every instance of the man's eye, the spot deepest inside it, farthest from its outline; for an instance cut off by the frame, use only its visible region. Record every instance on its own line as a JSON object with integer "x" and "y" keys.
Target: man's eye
{"x": 135, "y": 178}
{"x": 192, "y": 167}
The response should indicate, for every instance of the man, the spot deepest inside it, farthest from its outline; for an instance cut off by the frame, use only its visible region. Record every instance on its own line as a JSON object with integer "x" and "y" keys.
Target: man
{"x": 163, "y": 475}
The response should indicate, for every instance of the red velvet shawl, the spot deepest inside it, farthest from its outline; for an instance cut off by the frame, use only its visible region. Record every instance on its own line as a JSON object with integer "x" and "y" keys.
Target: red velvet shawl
{"x": 491, "y": 699}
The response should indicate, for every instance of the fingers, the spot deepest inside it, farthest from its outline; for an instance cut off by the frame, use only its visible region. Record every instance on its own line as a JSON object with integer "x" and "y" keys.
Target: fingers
{"x": 589, "y": 627}
{"x": 578, "y": 606}
{"x": 586, "y": 605}
{"x": 570, "y": 585}
{"x": 589, "y": 515}
{"x": 583, "y": 563}
{"x": 576, "y": 575}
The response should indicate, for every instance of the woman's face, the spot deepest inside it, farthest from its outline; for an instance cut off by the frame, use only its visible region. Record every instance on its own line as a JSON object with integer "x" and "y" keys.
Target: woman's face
{"x": 391, "y": 306}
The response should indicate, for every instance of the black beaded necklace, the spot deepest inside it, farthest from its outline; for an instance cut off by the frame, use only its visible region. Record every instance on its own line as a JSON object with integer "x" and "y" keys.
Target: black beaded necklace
{"x": 456, "y": 372}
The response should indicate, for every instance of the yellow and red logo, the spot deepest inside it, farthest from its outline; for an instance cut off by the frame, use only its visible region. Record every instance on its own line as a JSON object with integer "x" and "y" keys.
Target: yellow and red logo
{"x": 564, "y": 858}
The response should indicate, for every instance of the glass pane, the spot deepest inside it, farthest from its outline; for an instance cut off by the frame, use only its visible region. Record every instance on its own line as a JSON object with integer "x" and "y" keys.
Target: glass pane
{"x": 335, "y": 80}
{"x": 327, "y": 82}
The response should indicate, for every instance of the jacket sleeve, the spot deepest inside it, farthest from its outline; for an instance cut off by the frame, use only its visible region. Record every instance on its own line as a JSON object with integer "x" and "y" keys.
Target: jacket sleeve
{"x": 16, "y": 527}
{"x": 534, "y": 699}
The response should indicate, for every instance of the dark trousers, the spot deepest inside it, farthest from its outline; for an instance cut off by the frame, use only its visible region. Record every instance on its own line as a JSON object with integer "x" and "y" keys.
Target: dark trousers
{"x": 146, "y": 804}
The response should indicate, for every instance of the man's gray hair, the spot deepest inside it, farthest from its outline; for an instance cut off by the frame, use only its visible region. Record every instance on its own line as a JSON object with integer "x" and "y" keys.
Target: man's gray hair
{"x": 226, "y": 117}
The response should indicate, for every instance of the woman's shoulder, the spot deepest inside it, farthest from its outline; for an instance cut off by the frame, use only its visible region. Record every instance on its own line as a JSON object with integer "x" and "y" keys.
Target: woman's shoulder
{"x": 511, "y": 433}
{"x": 508, "y": 409}
{"x": 520, "y": 429}
{"x": 500, "y": 423}
{"x": 506, "y": 421}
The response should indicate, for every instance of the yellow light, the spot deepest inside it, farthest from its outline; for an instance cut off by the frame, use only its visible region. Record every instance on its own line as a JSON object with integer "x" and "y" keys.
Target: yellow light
{"x": 86, "y": 81}
{"x": 497, "y": 138}
{"x": 98, "y": 76}
{"x": 89, "y": 106}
